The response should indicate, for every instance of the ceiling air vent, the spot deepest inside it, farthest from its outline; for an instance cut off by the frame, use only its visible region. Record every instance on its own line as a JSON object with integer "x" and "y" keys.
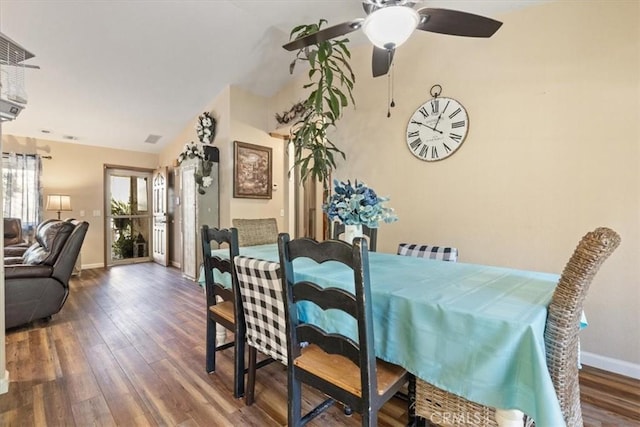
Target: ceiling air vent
{"x": 152, "y": 139}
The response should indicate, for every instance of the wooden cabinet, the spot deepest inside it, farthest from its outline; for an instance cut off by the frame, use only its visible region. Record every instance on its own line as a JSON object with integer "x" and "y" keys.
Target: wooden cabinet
{"x": 196, "y": 210}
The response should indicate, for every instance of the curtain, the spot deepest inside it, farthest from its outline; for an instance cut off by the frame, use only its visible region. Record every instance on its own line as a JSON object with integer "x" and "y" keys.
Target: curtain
{"x": 21, "y": 182}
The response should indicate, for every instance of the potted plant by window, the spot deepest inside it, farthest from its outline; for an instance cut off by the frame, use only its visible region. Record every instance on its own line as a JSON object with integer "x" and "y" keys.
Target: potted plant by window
{"x": 122, "y": 229}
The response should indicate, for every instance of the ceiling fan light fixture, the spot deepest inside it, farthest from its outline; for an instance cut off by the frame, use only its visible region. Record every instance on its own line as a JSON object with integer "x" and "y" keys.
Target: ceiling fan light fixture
{"x": 390, "y": 26}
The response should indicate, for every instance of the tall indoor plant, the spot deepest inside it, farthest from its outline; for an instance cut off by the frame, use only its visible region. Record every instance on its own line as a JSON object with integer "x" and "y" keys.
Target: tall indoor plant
{"x": 330, "y": 86}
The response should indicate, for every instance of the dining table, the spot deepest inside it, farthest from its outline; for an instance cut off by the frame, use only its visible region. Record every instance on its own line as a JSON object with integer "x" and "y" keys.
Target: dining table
{"x": 473, "y": 330}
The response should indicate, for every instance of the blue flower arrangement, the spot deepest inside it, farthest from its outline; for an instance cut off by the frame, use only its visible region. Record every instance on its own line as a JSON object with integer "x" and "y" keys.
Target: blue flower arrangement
{"x": 357, "y": 204}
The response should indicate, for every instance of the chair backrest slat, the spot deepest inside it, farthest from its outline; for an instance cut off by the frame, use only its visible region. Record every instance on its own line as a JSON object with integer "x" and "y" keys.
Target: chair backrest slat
{"x": 326, "y": 298}
{"x": 331, "y": 343}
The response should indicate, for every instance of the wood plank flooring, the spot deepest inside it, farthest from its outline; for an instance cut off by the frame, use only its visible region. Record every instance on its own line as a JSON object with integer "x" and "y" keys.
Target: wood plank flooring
{"x": 127, "y": 349}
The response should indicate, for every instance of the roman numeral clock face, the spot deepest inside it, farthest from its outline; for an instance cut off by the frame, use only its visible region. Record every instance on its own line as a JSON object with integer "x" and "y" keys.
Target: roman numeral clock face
{"x": 437, "y": 129}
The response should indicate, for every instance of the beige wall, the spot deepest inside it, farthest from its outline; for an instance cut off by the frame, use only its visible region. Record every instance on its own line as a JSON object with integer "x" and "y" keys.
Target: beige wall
{"x": 249, "y": 123}
{"x": 241, "y": 116}
{"x": 78, "y": 170}
{"x": 552, "y": 150}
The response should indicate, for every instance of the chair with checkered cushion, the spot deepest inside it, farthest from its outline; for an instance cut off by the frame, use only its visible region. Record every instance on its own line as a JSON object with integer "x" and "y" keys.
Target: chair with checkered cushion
{"x": 371, "y": 233}
{"x": 344, "y": 368}
{"x": 223, "y": 308}
{"x": 260, "y": 289}
{"x": 442, "y": 253}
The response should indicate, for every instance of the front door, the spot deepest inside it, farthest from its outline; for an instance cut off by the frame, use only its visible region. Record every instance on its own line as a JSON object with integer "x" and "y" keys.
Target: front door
{"x": 160, "y": 232}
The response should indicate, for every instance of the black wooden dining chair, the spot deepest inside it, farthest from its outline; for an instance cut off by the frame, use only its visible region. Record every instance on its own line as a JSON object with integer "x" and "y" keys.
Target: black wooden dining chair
{"x": 223, "y": 307}
{"x": 371, "y": 233}
{"x": 442, "y": 253}
{"x": 260, "y": 290}
{"x": 339, "y": 366}
{"x": 561, "y": 336}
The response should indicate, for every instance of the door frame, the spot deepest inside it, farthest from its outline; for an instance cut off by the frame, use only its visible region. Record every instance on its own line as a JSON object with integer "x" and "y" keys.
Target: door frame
{"x": 108, "y": 170}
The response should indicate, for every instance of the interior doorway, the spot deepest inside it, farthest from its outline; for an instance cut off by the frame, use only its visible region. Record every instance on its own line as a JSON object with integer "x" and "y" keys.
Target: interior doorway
{"x": 128, "y": 215}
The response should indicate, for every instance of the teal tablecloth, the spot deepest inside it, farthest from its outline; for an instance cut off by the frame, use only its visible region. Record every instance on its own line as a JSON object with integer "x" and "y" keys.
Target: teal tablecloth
{"x": 473, "y": 330}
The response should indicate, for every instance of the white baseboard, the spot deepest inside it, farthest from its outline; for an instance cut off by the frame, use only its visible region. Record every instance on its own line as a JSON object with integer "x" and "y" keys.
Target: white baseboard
{"x": 610, "y": 364}
{"x": 90, "y": 266}
{"x": 4, "y": 383}
{"x": 101, "y": 265}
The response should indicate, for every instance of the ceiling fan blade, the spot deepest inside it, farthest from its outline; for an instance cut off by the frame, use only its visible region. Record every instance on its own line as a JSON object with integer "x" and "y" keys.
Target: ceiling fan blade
{"x": 381, "y": 61}
{"x": 325, "y": 34}
{"x": 457, "y": 23}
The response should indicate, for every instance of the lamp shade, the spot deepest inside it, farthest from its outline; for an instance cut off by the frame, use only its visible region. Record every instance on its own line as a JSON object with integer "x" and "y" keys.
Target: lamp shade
{"x": 58, "y": 202}
{"x": 390, "y": 26}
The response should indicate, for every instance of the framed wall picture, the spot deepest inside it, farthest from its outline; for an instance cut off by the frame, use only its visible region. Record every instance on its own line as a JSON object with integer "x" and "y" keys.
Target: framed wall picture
{"x": 251, "y": 171}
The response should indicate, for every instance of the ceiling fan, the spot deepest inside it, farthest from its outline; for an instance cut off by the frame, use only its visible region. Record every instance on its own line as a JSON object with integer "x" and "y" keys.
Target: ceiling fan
{"x": 391, "y": 22}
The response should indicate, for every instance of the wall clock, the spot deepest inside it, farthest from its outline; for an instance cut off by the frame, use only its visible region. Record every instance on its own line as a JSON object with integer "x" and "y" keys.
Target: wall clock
{"x": 437, "y": 129}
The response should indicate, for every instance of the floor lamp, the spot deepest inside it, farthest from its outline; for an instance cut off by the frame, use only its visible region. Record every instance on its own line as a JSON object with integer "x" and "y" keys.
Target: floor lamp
{"x": 58, "y": 203}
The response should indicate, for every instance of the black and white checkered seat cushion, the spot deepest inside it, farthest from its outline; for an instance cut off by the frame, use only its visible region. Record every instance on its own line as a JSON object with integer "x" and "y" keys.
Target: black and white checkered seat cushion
{"x": 263, "y": 304}
{"x": 442, "y": 253}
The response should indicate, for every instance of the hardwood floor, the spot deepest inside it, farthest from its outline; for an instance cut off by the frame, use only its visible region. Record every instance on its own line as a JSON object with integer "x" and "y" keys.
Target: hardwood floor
{"x": 128, "y": 349}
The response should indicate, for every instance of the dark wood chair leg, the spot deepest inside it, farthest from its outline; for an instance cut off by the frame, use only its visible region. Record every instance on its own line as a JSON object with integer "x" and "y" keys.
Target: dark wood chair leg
{"x": 370, "y": 418}
{"x": 251, "y": 378}
{"x": 238, "y": 349}
{"x": 211, "y": 346}
{"x": 295, "y": 401}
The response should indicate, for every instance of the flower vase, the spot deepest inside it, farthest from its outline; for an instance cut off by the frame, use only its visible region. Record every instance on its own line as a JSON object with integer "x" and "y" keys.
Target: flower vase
{"x": 351, "y": 232}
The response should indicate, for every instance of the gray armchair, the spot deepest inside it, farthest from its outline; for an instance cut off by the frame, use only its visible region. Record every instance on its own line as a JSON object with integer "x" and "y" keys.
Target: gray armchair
{"x": 37, "y": 284}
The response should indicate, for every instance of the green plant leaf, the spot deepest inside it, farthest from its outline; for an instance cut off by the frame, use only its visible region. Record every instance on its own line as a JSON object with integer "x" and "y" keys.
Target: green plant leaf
{"x": 334, "y": 104}
{"x": 312, "y": 58}
{"x": 322, "y": 53}
{"x": 328, "y": 75}
{"x": 318, "y": 97}
{"x": 295, "y": 30}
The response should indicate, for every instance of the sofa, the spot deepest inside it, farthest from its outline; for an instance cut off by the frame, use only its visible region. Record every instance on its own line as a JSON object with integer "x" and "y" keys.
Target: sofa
{"x": 37, "y": 283}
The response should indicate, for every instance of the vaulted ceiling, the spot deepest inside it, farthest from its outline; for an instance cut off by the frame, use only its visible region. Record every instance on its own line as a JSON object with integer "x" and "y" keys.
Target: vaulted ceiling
{"x": 114, "y": 72}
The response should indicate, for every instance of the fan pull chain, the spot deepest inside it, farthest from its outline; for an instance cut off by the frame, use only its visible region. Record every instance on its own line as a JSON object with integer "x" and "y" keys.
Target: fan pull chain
{"x": 390, "y": 100}
{"x": 393, "y": 78}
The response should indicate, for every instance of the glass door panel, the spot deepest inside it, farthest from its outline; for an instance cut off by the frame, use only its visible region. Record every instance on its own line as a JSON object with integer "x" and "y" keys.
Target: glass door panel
{"x": 129, "y": 216}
